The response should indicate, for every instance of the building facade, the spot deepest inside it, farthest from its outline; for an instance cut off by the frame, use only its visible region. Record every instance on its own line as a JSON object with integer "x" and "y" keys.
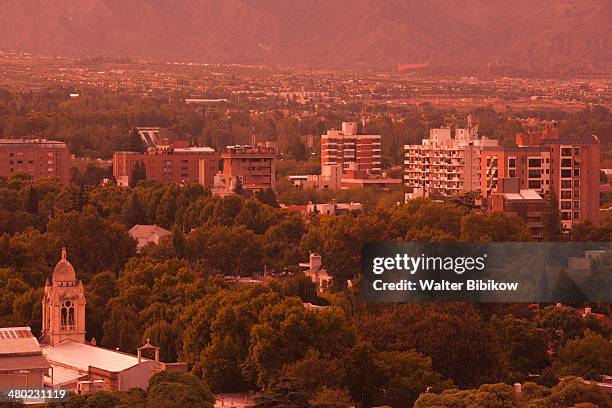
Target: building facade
{"x": 527, "y": 204}
{"x": 446, "y": 165}
{"x": 37, "y": 157}
{"x": 167, "y": 162}
{"x": 255, "y": 167}
{"x": 342, "y": 147}
{"x": 543, "y": 161}
{"x": 22, "y": 364}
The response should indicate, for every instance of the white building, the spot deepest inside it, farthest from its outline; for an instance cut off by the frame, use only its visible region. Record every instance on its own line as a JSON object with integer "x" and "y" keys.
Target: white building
{"x": 446, "y": 165}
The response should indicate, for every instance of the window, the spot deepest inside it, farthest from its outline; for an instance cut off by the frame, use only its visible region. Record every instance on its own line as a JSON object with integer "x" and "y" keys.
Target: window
{"x": 512, "y": 162}
{"x": 512, "y": 173}
{"x": 576, "y": 204}
{"x": 566, "y": 215}
{"x": 566, "y": 183}
{"x": 576, "y": 215}
{"x": 535, "y": 173}
{"x": 566, "y": 162}
{"x": 535, "y": 184}
{"x": 566, "y": 205}
{"x": 576, "y": 183}
{"x": 576, "y": 151}
{"x": 576, "y": 193}
{"x": 566, "y": 195}
{"x": 566, "y": 173}
{"x": 535, "y": 162}
{"x": 566, "y": 151}
{"x": 576, "y": 172}
{"x": 67, "y": 316}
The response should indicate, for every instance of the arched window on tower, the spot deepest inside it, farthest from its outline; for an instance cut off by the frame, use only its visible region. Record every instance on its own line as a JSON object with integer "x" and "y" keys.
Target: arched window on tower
{"x": 67, "y": 319}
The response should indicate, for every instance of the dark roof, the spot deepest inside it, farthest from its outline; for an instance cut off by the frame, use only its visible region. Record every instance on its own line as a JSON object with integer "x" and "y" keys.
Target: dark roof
{"x": 572, "y": 140}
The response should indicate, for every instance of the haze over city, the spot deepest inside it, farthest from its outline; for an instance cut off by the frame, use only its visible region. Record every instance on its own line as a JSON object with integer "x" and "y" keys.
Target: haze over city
{"x": 305, "y": 204}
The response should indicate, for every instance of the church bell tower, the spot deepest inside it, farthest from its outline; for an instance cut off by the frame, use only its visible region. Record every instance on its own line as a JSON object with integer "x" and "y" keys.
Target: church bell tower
{"x": 63, "y": 305}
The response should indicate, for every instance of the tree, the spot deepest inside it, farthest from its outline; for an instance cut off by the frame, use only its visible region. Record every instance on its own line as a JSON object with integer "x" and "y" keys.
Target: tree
{"x": 139, "y": 173}
{"x": 94, "y": 244}
{"x": 197, "y": 391}
{"x": 571, "y": 391}
{"x": 168, "y": 395}
{"x": 494, "y": 227}
{"x": 131, "y": 211}
{"x": 364, "y": 375}
{"x": 284, "y": 392}
{"x": 331, "y": 398}
{"x": 407, "y": 375}
{"x": 525, "y": 344}
{"x": 134, "y": 142}
{"x": 161, "y": 334}
{"x": 551, "y": 218}
{"x": 587, "y": 357}
{"x": 178, "y": 241}
{"x": 238, "y": 188}
{"x": 267, "y": 196}
{"x": 315, "y": 372}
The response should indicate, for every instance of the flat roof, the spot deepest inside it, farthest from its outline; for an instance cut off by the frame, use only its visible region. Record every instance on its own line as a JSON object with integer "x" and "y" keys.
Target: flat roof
{"x": 524, "y": 195}
{"x": 32, "y": 143}
{"x": 16, "y": 341}
{"x": 63, "y": 376}
{"x": 82, "y": 356}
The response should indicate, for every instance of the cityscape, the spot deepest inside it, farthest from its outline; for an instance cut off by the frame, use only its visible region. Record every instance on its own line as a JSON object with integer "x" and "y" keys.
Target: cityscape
{"x": 192, "y": 229}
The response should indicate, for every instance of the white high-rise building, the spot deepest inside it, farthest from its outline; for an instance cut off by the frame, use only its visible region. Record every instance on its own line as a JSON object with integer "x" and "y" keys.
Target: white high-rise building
{"x": 443, "y": 164}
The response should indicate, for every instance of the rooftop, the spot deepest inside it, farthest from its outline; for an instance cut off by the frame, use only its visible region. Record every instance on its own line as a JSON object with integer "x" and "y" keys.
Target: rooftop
{"x": 140, "y": 231}
{"x": 82, "y": 356}
{"x": 16, "y": 341}
{"x": 523, "y": 195}
{"x": 33, "y": 143}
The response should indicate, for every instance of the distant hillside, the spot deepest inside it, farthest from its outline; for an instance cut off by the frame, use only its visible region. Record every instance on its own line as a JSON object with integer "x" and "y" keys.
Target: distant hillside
{"x": 542, "y": 35}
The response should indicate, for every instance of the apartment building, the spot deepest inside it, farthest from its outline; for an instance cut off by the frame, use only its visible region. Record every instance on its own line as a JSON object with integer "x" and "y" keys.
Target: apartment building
{"x": 543, "y": 161}
{"x": 342, "y": 147}
{"x": 168, "y": 162}
{"x": 254, "y": 166}
{"x": 446, "y": 165}
{"x": 36, "y": 157}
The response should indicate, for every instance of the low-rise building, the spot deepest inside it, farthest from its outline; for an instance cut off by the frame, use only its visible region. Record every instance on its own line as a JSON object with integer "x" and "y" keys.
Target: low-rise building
{"x": 316, "y": 272}
{"x": 22, "y": 364}
{"x": 526, "y": 204}
{"x": 147, "y": 234}
{"x": 167, "y": 162}
{"x": 251, "y": 168}
{"x": 329, "y": 179}
{"x": 37, "y": 157}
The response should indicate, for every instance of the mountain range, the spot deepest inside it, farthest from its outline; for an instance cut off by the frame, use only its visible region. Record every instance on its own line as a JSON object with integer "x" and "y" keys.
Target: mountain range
{"x": 548, "y": 35}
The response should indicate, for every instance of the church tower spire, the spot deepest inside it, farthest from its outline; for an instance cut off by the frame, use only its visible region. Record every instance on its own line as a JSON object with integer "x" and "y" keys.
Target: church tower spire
{"x": 63, "y": 305}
